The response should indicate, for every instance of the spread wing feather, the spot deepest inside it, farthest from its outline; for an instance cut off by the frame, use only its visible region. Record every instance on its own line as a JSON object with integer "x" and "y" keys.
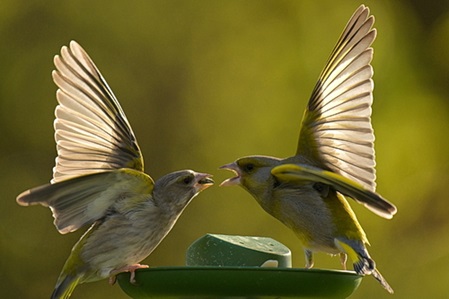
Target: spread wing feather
{"x": 301, "y": 172}
{"x": 85, "y": 199}
{"x": 92, "y": 132}
{"x": 336, "y": 131}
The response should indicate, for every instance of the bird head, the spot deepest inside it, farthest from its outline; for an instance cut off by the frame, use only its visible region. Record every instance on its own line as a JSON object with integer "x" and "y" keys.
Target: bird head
{"x": 177, "y": 189}
{"x": 253, "y": 173}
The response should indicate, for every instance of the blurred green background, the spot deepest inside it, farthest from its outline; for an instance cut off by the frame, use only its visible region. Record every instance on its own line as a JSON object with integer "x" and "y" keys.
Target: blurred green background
{"x": 206, "y": 82}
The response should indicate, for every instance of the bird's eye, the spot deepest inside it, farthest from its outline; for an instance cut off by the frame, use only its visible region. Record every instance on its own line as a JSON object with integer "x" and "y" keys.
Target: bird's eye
{"x": 248, "y": 167}
{"x": 321, "y": 188}
{"x": 187, "y": 180}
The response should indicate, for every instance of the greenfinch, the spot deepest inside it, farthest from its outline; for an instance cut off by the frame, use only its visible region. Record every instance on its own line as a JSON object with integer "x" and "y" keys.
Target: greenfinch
{"x": 334, "y": 159}
{"x": 98, "y": 180}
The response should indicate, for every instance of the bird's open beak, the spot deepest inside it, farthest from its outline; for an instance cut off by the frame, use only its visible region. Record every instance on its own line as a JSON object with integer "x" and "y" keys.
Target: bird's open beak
{"x": 234, "y": 180}
{"x": 203, "y": 181}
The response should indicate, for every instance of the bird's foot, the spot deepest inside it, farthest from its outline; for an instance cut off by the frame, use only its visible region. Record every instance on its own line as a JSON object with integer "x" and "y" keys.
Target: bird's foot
{"x": 343, "y": 260}
{"x": 112, "y": 280}
{"x": 131, "y": 268}
{"x": 309, "y": 259}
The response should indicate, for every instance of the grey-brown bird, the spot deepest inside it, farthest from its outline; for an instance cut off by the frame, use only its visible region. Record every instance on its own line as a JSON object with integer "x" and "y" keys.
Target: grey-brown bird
{"x": 99, "y": 180}
{"x": 334, "y": 158}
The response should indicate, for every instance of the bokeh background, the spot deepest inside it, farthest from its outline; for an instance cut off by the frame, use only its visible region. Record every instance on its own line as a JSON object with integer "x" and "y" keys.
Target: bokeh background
{"x": 205, "y": 82}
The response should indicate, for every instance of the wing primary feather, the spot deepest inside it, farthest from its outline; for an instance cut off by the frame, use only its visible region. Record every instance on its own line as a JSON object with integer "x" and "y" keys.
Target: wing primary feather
{"x": 100, "y": 91}
{"x": 336, "y": 131}
{"x": 89, "y": 120}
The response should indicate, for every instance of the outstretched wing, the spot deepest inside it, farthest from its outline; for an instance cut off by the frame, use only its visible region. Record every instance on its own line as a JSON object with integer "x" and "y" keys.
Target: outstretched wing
{"x": 301, "y": 172}
{"x": 336, "y": 131}
{"x": 85, "y": 199}
{"x": 91, "y": 130}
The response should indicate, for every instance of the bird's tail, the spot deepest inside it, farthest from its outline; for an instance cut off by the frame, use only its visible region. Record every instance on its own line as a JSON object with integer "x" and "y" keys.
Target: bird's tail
{"x": 376, "y": 274}
{"x": 65, "y": 286}
{"x": 363, "y": 263}
{"x": 366, "y": 266}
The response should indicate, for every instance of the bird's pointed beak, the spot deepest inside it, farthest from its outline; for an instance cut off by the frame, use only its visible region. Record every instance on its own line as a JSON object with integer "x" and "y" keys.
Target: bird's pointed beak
{"x": 234, "y": 180}
{"x": 203, "y": 181}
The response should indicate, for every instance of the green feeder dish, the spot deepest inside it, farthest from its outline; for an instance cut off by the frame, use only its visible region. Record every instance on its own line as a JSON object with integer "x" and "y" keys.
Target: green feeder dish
{"x": 223, "y": 266}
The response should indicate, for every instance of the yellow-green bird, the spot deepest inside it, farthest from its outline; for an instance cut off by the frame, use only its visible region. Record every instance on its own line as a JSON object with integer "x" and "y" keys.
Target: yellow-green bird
{"x": 334, "y": 159}
{"x": 98, "y": 180}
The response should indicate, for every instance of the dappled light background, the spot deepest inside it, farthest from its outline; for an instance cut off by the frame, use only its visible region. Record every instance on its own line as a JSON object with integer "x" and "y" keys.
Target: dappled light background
{"x": 205, "y": 82}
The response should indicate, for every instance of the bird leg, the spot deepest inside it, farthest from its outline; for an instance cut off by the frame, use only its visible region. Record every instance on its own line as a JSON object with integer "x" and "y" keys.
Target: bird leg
{"x": 309, "y": 258}
{"x": 343, "y": 259}
{"x": 130, "y": 268}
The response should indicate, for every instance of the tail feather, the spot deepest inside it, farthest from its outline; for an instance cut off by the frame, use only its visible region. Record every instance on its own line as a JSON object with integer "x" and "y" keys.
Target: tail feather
{"x": 65, "y": 287}
{"x": 362, "y": 262}
{"x": 366, "y": 266}
{"x": 376, "y": 274}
